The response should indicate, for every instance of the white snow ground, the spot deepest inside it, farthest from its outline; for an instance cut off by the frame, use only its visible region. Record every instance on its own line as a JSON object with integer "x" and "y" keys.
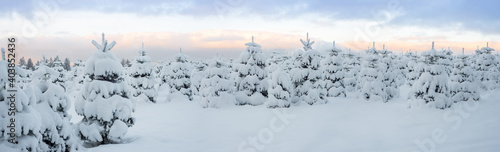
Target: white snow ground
{"x": 344, "y": 124}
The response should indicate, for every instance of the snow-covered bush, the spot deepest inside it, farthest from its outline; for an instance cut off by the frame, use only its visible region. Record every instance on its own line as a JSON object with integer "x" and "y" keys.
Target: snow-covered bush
{"x": 280, "y": 90}
{"x": 142, "y": 77}
{"x": 104, "y": 101}
{"x": 463, "y": 86}
{"x": 431, "y": 88}
{"x": 179, "y": 75}
{"x": 333, "y": 73}
{"x": 251, "y": 74}
{"x": 217, "y": 87}
{"x": 307, "y": 76}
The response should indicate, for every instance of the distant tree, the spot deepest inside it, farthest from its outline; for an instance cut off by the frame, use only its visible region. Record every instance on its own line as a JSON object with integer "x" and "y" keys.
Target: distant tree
{"x": 22, "y": 62}
{"x": 30, "y": 65}
{"x": 67, "y": 64}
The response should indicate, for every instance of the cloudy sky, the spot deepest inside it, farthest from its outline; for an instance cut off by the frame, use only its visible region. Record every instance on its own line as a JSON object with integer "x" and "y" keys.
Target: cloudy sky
{"x": 206, "y": 27}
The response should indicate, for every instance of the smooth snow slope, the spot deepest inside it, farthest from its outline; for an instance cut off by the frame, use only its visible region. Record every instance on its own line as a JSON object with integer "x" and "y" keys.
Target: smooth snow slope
{"x": 343, "y": 124}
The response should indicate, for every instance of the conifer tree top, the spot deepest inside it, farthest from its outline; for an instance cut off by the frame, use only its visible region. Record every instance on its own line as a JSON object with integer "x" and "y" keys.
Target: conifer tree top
{"x": 104, "y": 47}
{"x": 142, "y": 52}
{"x": 334, "y": 50}
{"x": 487, "y": 49}
{"x": 252, "y": 44}
{"x": 308, "y": 43}
{"x": 179, "y": 57}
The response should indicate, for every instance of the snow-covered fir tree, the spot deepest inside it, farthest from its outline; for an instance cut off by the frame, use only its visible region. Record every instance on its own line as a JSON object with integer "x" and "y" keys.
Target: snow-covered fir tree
{"x": 197, "y": 75}
{"x": 280, "y": 90}
{"x": 251, "y": 74}
{"x": 60, "y": 78}
{"x": 307, "y": 76}
{"x": 67, "y": 64}
{"x": 390, "y": 74}
{"x": 26, "y": 134}
{"x": 431, "y": 88}
{"x": 179, "y": 75}
{"x": 333, "y": 73}
{"x": 217, "y": 87}
{"x": 463, "y": 86}
{"x": 370, "y": 81}
{"x": 414, "y": 68}
{"x": 446, "y": 60}
{"x": 104, "y": 101}
{"x": 53, "y": 103}
{"x": 351, "y": 66}
{"x": 487, "y": 70}
{"x": 142, "y": 77}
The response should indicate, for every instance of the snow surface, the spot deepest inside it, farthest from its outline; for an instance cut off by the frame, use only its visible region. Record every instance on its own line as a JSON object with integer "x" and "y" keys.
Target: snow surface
{"x": 343, "y": 124}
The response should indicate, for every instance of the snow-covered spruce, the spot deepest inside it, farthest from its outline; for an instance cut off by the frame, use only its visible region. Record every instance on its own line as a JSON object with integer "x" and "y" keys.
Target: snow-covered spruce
{"x": 217, "y": 87}
{"x": 307, "y": 76}
{"x": 251, "y": 74}
{"x": 351, "y": 67}
{"x": 370, "y": 81}
{"x": 179, "y": 75}
{"x": 486, "y": 68}
{"x": 390, "y": 74}
{"x": 446, "y": 60}
{"x": 60, "y": 78}
{"x": 197, "y": 75}
{"x": 52, "y": 104}
{"x": 104, "y": 102}
{"x": 431, "y": 88}
{"x": 333, "y": 73}
{"x": 142, "y": 77}
{"x": 280, "y": 90}
{"x": 463, "y": 86}
{"x": 415, "y": 67}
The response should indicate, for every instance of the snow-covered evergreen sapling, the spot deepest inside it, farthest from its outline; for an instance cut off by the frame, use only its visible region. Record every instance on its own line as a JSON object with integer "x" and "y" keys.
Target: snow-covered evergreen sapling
{"x": 280, "y": 90}
{"x": 390, "y": 73}
{"x": 104, "y": 102}
{"x": 370, "y": 81}
{"x": 351, "y": 67}
{"x": 307, "y": 76}
{"x": 251, "y": 74}
{"x": 179, "y": 76}
{"x": 52, "y": 104}
{"x": 463, "y": 86}
{"x": 197, "y": 75}
{"x": 333, "y": 73}
{"x": 431, "y": 88}
{"x": 217, "y": 87}
{"x": 142, "y": 77}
